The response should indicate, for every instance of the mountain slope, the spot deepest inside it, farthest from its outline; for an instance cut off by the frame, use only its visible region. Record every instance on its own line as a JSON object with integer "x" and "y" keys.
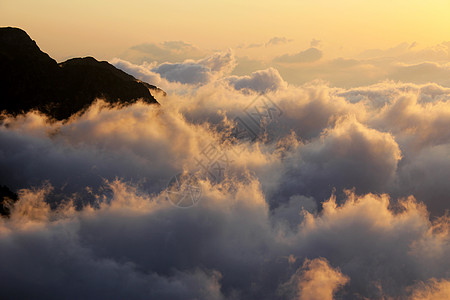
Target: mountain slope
{"x": 31, "y": 79}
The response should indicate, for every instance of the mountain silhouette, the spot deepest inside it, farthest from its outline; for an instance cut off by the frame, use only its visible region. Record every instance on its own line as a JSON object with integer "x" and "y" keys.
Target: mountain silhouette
{"x": 31, "y": 79}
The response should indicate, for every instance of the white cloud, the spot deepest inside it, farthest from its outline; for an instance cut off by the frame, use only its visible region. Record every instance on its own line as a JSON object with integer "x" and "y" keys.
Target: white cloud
{"x": 98, "y": 225}
{"x": 259, "y": 81}
{"x": 188, "y": 72}
{"x": 142, "y": 72}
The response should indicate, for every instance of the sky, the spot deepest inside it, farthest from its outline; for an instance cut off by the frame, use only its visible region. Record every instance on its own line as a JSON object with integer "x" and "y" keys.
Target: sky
{"x": 301, "y": 151}
{"x": 106, "y": 28}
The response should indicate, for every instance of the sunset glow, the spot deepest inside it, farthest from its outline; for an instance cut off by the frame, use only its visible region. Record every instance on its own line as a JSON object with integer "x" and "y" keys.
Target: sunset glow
{"x": 225, "y": 150}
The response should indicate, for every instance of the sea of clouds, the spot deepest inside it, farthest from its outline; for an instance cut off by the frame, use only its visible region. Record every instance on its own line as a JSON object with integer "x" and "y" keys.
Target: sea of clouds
{"x": 343, "y": 193}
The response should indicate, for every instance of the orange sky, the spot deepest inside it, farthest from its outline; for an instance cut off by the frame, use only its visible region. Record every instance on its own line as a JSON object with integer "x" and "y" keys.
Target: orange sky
{"x": 106, "y": 28}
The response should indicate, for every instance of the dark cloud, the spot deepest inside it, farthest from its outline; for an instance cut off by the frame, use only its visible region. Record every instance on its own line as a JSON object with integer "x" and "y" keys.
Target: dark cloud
{"x": 137, "y": 246}
{"x": 190, "y": 73}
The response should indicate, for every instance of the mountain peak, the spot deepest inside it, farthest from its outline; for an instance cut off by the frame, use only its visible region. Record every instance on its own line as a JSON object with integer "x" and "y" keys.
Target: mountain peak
{"x": 15, "y": 35}
{"x": 31, "y": 79}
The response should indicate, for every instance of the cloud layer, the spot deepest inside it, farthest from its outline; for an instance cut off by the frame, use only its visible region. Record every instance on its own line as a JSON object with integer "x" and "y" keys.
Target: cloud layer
{"x": 307, "y": 192}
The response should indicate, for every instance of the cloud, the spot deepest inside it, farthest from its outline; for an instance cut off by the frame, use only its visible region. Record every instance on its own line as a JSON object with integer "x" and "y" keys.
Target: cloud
{"x": 277, "y": 40}
{"x": 197, "y": 72}
{"x": 93, "y": 220}
{"x": 259, "y": 81}
{"x": 315, "y": 43}
{"x": 169, "y": 51}
{"x": 223, "y": 62}
{"x": 320, "y": 147}
{"x": 350, "y": 221}
{"x": 429, "y": 65}
{"x": 272, "y": 42}
{"x": 390, "y": 52}
{"x": 425, "y": 72}
{"x": 254, "y": 45}
{"x": 246, "y": 65}
{"x": 60, "y": 265}
{"x": 306, "y": 56}
{"x": 345, "y": 156}
{"x": 142, "y": 72}
{"x": 190, "y": 73}
{"x": 411, "y": 53}
{"x": 432, "y": 290}
{"x": 87, "y": 253}
{"x": 350, "y": 73}
{"x": 290, "y": 213}
{"x": 406, "y": 62}
{"x": 316, "y": 280}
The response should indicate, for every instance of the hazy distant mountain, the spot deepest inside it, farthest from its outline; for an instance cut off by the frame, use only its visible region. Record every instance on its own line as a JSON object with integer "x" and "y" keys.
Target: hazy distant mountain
{"x": 31, "y": 79}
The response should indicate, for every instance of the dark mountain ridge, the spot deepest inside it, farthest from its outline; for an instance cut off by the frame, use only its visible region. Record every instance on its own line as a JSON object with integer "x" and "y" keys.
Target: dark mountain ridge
{"x": 31, "y": 79}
